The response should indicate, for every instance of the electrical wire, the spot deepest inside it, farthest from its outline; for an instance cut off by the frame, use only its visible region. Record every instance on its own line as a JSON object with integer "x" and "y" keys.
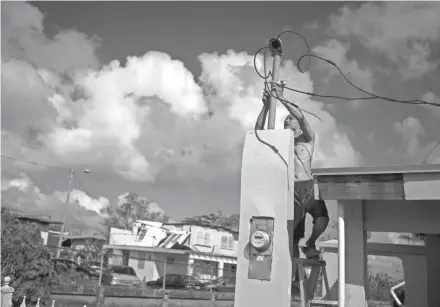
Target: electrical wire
{"x": 305, "y": 42}
{"x": 34, "y": 163}
{"x": 371, "y": 95}
{"x": 430, "y": 153}
{"x": 267, "y": 75}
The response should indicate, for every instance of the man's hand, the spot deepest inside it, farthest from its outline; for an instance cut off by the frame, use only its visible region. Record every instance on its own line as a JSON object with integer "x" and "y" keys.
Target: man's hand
{"x": 265, "y": 98}
{"x": 279, "y": 89}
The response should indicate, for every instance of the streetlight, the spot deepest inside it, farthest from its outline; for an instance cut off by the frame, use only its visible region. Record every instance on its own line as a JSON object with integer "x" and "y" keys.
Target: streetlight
{"x": 66, "y": 207}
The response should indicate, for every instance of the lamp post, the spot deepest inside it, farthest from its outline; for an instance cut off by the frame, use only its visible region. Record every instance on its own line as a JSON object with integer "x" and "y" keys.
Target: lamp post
{"x": 66, "y": 207}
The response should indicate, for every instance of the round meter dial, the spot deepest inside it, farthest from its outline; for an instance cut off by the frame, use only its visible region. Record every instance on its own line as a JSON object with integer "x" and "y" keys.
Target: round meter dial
{"x": 260, "y": 240}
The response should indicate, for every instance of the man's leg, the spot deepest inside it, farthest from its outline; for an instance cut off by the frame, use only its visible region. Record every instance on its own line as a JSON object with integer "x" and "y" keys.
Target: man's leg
{"x": 321, "y": 219}
{"x": 298, "y": 234}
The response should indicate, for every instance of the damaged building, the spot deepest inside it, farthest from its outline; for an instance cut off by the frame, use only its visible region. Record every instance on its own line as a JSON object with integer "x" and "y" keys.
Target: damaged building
{"x": 151, "y": 248}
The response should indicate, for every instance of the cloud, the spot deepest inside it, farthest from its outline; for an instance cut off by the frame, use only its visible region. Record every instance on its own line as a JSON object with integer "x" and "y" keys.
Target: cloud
{"x": 410, "y": 130}
{"x": 142, "y": 119}
{"x": 21, "y": 193}
{"x": 404, "y": 32}
{"x": 235, "y": 84}
{"x": 336, "y": 52}
{"x": 23, "y": 38}
{"x": 432, "y": 98}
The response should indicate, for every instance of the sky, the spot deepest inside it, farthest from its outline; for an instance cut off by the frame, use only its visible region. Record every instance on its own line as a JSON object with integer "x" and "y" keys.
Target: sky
{"x": 156, "y": 97}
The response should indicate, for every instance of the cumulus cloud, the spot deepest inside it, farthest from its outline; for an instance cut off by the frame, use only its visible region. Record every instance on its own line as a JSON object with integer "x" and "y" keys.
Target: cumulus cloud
{"x": 21, "y": 193}
{"x": 410, "y": 130}
{"x": 432, "y": 98}
{"x": 404, "y": 32}
{"x": 336, "y": 52}
{"x": 241, "y": 88}
{"x": 142, "y": 118}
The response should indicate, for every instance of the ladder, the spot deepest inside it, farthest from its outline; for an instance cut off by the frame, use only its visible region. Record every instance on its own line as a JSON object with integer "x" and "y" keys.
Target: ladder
{"x": 308, "y": 287}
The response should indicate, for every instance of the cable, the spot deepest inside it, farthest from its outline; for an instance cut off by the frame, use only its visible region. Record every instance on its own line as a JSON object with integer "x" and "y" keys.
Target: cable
{"x": 305, "y": 42}
{"x": 429, "y": 154}
{"x": 372, "y": 96}
{"x": 267, "y": 75}
{"x": 34, "y": 163}
{"x": 46, "y": 165}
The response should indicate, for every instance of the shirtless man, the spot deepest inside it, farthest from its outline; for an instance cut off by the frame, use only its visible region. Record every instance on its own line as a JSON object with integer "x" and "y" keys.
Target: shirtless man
{"x": 304, "y": 185}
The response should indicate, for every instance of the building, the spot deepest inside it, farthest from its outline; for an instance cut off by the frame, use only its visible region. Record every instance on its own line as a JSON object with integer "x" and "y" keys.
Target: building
{"x": 152, "y": 248}
{"x": 43, "y": 221}
{"x": 219, "y": 243}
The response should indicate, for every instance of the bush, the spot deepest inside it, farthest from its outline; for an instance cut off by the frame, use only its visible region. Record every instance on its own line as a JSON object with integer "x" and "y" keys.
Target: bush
{"x": 25, "y": 260}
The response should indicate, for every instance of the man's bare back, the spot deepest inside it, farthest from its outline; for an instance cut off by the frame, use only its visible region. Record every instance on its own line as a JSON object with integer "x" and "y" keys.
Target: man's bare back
{"x": 303, "y": 158}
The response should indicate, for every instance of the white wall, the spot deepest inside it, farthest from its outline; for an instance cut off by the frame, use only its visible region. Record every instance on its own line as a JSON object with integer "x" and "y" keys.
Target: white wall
{"x": 208, "y": 240}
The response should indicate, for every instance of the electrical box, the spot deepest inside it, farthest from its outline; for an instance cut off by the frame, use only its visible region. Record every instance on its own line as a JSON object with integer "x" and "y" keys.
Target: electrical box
{"x": 260, "y": 247}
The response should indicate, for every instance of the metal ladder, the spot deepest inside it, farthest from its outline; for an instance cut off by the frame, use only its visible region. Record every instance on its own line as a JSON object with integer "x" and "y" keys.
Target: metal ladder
{"x": 308, "y": 287}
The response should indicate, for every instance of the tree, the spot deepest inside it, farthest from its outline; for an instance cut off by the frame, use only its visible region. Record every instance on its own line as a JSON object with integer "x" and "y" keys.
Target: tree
{"x": 215, "y": 219}
{"x": 25, "y": 259}
{"x": 132, "y": 208}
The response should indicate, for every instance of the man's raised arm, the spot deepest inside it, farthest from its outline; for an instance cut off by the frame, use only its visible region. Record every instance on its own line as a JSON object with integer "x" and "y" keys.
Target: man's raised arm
{"x": 297, "y": 114}
{"x": 261, "y": 120}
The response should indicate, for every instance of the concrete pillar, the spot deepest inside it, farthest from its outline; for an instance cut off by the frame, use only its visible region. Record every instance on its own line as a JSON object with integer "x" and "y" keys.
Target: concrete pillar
{"x": 266, "y": 191}
{"x": 414, "y": 269}
{"x": 220, "y": 269}
{"x": 190, "y": 268}
{"x": 433, "y": 269}
{"x": 351, "y": 214}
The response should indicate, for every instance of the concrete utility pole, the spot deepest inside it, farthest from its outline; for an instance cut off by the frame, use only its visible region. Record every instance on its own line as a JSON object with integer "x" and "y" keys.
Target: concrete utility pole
{"x": 275, "y": 46}
{"x": 66, "y": 207}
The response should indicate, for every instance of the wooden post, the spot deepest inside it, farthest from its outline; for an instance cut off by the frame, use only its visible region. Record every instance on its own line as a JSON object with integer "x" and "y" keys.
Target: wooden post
{"x": 266, "y": 192}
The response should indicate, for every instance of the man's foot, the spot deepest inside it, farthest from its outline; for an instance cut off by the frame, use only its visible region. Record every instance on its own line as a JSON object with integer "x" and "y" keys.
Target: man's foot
{"x": 311, "y": 252}
{"x": 295, "y": 287}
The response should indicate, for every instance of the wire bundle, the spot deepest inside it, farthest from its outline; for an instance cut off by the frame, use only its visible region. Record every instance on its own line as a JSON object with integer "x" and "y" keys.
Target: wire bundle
{"x": 309, "y": 55}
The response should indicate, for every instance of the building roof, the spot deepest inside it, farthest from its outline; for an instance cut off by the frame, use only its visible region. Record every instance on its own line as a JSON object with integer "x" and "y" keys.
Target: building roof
{"x": 96, "y": 237}
{"x": 37, "y": 218}
{"x": 147, "y": 249}
{"x": 201, "y": 225}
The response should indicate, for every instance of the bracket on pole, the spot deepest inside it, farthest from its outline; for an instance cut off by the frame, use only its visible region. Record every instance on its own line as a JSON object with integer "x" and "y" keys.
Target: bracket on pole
{"x": 275, "y": 46}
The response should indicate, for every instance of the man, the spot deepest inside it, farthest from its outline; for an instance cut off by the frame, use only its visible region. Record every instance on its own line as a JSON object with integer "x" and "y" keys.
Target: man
{"x": 304, "y": 185}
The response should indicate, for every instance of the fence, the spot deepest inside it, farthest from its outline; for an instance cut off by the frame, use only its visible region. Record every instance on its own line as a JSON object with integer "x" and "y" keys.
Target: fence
{"x": 150, "y": 266}
{"x": 169, "y": 271}
{"x": 7, "y": 292}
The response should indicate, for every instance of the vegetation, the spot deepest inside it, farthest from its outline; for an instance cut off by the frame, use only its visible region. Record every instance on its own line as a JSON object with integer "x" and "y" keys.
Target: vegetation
{"x": 133, "y": 208}
{"x": 215, "y": 219}
{"x": 25, "y": 260}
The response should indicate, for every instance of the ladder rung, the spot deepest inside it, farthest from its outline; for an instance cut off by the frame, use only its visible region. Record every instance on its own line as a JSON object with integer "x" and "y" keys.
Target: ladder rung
{"x": 323, "y": 303}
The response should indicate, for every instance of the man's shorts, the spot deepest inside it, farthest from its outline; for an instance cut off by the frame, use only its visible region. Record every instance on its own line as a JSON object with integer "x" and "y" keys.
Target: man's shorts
{"x": 305, "y": 202}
